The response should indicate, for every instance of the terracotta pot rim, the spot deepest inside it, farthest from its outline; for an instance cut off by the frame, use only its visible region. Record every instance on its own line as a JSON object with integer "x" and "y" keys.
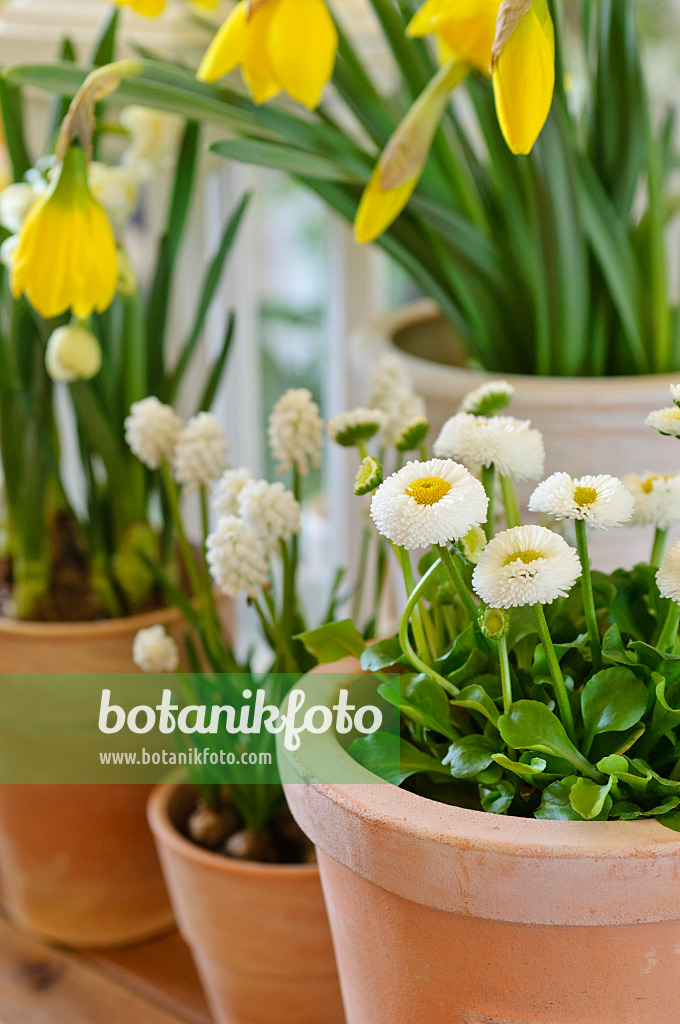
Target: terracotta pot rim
{"x": 70, "y": 631}
{"x": 378, "y": 337}
{"x": 166, "y": 833}
{"x": 388, "y": 835}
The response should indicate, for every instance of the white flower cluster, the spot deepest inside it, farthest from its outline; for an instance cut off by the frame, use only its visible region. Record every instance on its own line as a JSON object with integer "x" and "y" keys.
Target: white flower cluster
{"x": 513, "y": 446}
{"x": 226, "y": 492}
{"x": 154, "y": 651}
{"x": 657, "y": 499}
{"x": 151, "y": 431}
{"x": 296, "y": 432}
{"x": 390, "y": 391}
{"x": 433, "y": 502}
{"x": 270, "y": 511}
{"x": 236, "y": 558}
{"x": 602, "y": 502}
{"x": 201, "y": 453}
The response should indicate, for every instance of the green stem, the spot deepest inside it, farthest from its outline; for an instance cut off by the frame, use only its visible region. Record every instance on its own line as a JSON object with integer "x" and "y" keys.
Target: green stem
{"x": 405, "y": 640}
{"x": 658, "y": 548}
{"x": 506, "y": 682}
{"x": 561, "y": 692}
{"x": 361, "y": 574}
{"x": 510, "y": 501}
{"x": 280, "y": 633}
{"x": 669, "y": 633}
{"x": 489, "y": 482}
{"x": 418, "y": 630}
{"x": 172, "y": 495}
{"x": 453, "y": 568}
{"x": 363, "y": 450}
{"x": 587, "y": 591}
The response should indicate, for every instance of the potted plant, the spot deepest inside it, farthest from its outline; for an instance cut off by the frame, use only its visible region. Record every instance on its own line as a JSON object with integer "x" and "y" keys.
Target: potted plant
{"x": 511, "y": 850}
{"x": 241, "y": 875}
{"x": 79, "y": 343}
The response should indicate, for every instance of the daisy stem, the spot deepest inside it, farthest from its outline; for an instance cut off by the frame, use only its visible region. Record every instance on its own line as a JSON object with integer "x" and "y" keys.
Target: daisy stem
{"x": 510, "y": 501}
{"x": 669, "y": 633}
{"x": 660, "y": 537}
{"x": 418, "y": 630}
{"x": 363, "y": 450}
{"x": 453, "y": 568}
{"x": 559, "y": 686}
{"x": 405, "y": 640}
{"x": 587, "y": 591}
{"x": 506, "y": 682}
{"x": 423, "y": 452}
{"x": 489, "y": 482}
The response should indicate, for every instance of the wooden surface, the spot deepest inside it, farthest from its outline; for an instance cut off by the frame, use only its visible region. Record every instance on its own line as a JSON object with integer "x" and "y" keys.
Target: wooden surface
{"x": 151, "y": 984}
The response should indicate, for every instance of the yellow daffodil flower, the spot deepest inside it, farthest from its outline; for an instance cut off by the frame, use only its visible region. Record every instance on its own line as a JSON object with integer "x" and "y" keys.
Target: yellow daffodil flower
{"x": 402, "y": 162}
{"x": 66, "y": 255}
{"x": 154, "y": 8}
{"x": 287, "y": 45}
{"x": 524, "y": 78}
{"x": 464, "y": 28}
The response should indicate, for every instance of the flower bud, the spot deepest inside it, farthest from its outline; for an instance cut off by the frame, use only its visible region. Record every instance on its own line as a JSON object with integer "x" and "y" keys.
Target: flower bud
{"x": 369, "y": 477}
{"x": 494, "y": 623}
{"x": 73, "y": 353}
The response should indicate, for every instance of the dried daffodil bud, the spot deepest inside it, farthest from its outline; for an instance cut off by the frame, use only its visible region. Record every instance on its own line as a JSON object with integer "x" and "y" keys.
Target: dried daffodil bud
{"x": 73, "y": 353}
{"x": 369, "y": 477}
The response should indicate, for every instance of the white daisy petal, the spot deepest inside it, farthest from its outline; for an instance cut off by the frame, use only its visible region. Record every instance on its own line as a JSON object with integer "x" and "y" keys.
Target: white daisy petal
{"x": 657, "y": 499}
{"x": 666, "y": 421}
{"x": 602, "y": 502}
{"x": 524, "y": 566}
{"x": 513, "y": 446}
{"x": 425, "y": 503}
{"x": 675, "y": 393}
{"x": 668, "y": 576}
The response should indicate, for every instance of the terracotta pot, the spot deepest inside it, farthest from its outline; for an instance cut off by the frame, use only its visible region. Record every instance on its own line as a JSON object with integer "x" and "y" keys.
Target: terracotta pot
{"x": 590, "y": 424}
{"x": 258, "y": 932}
{"x": 442, "y": 914}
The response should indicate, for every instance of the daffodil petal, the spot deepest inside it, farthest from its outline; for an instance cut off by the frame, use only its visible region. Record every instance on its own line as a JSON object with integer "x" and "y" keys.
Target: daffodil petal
{"x": 426, "y": 18}
{"x": 149, "y": 8}
{"x": 524, "y": 79}
{"x": 378, "y": 209}
{"x": 227, "y": 48}
{"x": 303, "y": 42}
{"x": 256, "y": 65}
{"x": 465, "y": 28}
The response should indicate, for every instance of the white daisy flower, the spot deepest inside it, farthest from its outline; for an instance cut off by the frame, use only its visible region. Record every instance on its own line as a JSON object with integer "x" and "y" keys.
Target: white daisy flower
{"x": 224, "y": 500}
{"x": 296, "y": 431}
{"x": 201, "y": 452}
{"x": 426, "y": 503}
{"x": 473, "y": 544}
{"x": 657, "y": 499}
{"x": 666, "y": 421}
{"x": 525, "y": 565}
{"x": 354, "y": 427}
{"x": 513, "y": 446}
{"x": 152, "y": 430}
{"x": 236, "y": 557}
{"x": 601, "y": 501}
{"x": 154, "y": 651}
{"x": 675, "y": 393}
{"x": 488, "y": 399}
{"x": 668, "y": 576}
{"x": 270, "y": 511}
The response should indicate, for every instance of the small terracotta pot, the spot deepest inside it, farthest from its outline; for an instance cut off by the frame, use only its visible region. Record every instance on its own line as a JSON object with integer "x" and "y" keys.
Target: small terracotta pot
{"x": 590, "y": 424}
{"x": 444, "y": 915}
{"x": 258, "y": 933}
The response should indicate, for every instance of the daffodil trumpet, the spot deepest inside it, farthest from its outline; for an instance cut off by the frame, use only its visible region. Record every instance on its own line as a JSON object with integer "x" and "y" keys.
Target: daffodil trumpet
{"x": 279, "y": 45}
{"x": 404, "y": 157}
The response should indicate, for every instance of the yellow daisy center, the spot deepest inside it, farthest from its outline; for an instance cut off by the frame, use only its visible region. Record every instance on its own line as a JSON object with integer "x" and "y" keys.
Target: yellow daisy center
{"x": 428, "y": 490}
{"x": 524, "y": 556}
{"x": 648, "y": 484}
{"x": 585, "y": 495}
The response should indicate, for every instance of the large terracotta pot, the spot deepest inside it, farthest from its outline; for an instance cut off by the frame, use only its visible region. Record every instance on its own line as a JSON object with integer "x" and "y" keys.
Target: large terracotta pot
{"x": 590, "y": 424}
{"x": 258, "y": 933}
{"x": 444, "y": 915}
{"x": 77, "y": 862}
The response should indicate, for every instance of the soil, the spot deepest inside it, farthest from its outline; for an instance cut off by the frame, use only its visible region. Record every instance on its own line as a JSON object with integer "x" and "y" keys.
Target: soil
{"x": 220, "y": 830}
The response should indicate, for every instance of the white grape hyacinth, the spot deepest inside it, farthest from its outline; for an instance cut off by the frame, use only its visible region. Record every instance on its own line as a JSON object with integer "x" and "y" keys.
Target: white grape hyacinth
{"x": 355, "y": 426}
{"x": 295, "y": 432}
{"x": 488, "y": 399}
{"x": 270, "y": 511}
{"x": 602, "y": 502}
{"x": 513, "y": 446}
{"x": 525, "y": 565}
{"x": 151, "y": 431}
{"x": 425, "y": 503}
{"x": 225, "y": 494}
{"x": 389, "y": 390}
{"x": 657, "y": 499}
{"x": 668, "y": 576}
{"x": 666, "y": 421}
{"x": 154, "y": 651}
{"x": 236, "y": 557}
{"x": 201, "y": 453}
